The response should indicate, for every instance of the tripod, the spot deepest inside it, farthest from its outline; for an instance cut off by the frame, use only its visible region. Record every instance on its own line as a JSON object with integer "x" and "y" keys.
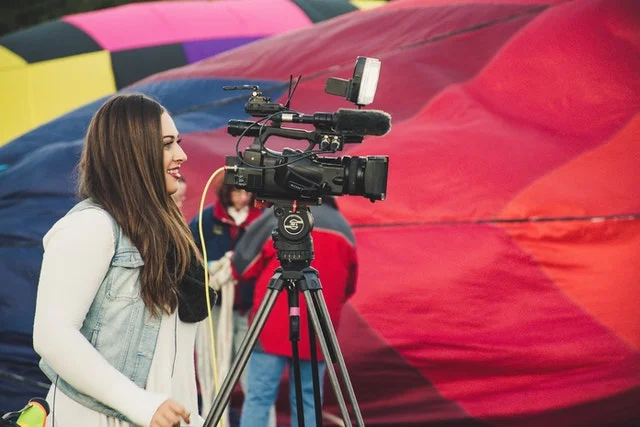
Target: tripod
{"x": 294, "y": 248}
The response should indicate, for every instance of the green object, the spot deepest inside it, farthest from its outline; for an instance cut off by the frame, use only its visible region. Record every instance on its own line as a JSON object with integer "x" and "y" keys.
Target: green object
{"x": 34, "y": 416}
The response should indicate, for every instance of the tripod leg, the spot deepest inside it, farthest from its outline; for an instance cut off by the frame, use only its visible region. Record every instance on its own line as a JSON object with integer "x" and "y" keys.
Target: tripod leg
{"x": 331, "y": 335}
{"x": 325, "y": 351}
{"x": 315, "y": 373}
{"x": 248, "y": 343}
{"x": 294, "y": 337}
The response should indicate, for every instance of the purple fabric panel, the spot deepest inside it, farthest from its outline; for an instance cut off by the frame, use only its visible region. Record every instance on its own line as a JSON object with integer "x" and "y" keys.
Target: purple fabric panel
{"x": 201, "y": 49}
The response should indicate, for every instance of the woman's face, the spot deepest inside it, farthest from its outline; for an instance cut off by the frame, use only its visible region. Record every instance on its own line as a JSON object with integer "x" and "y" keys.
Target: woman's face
{"x": 240, "y": 199}
{"x": 173, "y": 155}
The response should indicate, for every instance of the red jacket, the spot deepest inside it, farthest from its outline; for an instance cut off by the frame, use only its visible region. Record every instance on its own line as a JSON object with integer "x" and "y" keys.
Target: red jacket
{"x": 336, "y": 262}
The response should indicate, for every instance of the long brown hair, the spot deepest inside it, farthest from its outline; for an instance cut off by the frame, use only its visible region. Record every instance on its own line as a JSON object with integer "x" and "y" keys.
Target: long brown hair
{"x": 121, "y": 169}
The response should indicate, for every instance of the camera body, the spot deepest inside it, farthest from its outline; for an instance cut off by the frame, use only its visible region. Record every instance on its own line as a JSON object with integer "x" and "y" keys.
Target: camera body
{"x": 304, "y": 175}
{"x": 289, "y": 176}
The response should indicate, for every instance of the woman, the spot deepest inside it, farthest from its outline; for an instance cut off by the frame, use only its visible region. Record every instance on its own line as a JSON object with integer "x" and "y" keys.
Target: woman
{"x": 121, "y": 287}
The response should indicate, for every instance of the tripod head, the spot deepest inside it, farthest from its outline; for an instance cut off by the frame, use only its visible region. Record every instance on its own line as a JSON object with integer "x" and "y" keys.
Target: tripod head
{"x": 292, "y": 237}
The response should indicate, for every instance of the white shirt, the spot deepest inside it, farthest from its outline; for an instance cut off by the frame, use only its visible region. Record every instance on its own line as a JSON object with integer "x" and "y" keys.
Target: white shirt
{"x": 78, "y": 252}
{"x": 239, "y": 216}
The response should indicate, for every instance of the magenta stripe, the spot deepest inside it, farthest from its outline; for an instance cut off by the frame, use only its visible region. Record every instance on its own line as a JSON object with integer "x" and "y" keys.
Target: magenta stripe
{"x": 157, "y": 23}
{"x": 294, "y": 311}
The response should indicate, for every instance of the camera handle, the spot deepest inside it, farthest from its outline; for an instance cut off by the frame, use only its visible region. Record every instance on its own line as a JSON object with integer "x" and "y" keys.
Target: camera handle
{"x": 294, "y": 248}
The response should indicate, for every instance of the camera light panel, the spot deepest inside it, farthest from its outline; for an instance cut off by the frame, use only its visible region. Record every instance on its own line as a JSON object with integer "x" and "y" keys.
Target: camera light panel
{"x": 369, "y": 80}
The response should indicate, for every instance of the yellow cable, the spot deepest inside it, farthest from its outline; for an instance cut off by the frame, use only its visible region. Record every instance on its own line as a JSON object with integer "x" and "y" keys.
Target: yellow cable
{"x": 206, "y": 282}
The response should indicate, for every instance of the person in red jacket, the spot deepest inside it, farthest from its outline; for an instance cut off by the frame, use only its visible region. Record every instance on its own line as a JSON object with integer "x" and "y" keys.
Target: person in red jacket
{"x": 255, "y": 258}
{"x": 223, "y": 225}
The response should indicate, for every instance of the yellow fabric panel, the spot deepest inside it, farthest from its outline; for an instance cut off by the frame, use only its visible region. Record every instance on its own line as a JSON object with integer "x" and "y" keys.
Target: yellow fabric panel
{"x": 14, "y": 103}
{"x": 56, "y": 87}
{"x": 78, "y": 79}
{"x": 9, "y": 60}
{"x": 368, "y": 4}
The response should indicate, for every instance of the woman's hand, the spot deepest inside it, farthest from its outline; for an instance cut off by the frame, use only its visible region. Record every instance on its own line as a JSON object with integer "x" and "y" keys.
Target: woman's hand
{"x": 169, "y": 414}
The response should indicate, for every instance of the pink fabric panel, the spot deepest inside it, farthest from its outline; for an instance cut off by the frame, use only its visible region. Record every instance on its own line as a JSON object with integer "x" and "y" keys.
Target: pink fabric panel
{"x": 158, "y": 23}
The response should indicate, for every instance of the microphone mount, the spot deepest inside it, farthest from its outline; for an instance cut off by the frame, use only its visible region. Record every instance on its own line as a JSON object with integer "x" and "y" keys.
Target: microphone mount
{"x": 258, "y": 105}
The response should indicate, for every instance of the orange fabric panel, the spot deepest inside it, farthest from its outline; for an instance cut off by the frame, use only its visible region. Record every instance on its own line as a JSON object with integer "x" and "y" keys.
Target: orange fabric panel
{"x": 595, "y": 262}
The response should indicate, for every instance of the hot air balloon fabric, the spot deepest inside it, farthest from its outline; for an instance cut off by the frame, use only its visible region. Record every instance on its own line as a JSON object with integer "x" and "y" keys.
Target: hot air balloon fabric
{"x": 52, "y": 68}
{"x": 498, "y": 282}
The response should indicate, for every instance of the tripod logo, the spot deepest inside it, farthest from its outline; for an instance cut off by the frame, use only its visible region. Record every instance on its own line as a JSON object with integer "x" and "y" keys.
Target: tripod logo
{"x": 293, "y": 224}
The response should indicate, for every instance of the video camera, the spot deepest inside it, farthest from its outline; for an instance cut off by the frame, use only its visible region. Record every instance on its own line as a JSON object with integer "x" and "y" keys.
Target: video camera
{"x": 304, "y": 175}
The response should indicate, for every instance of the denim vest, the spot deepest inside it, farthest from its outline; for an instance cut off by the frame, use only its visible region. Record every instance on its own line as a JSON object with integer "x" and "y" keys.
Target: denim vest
{"x": 118, "y": 324}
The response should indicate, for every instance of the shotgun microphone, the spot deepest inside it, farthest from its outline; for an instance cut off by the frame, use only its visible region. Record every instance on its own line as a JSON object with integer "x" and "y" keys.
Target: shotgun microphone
{"x": 345, "y": 121}
{"x": 362, "y": 122}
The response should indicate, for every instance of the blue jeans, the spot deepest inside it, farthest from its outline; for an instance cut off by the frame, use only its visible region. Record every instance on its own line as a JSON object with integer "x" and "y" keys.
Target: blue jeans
{"x": 263, "y": 379}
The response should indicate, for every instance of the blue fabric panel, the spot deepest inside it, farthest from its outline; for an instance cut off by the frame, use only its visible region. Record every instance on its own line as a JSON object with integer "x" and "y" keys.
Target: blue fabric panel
{"x": 185, "y": 99}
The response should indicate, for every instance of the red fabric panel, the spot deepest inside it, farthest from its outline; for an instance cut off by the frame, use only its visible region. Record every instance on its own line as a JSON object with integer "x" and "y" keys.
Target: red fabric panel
{"x": 456, "y": 161}
{"x": 319, "y": 49}
{"x": 573, "y": 71}
{"x": 606, "y": 177}
{"x": 411, "y": 77}
{"x": 377, "y": 369}
{"x": 594, "y": 262}
{"x": 528, "y": 112}
{"x": 477, "y": 317}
